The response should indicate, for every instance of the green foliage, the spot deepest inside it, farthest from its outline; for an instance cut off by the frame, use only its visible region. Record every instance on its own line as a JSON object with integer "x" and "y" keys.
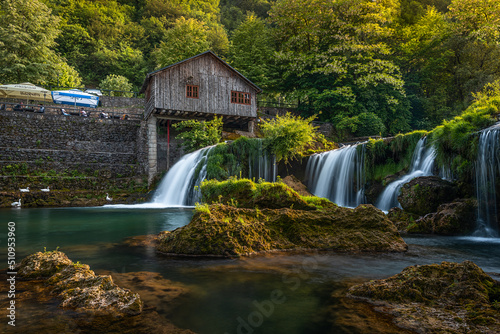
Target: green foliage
{"x": 364, "y": 124}
{"x": 185, "y": 39}
{"x": 456, "y": 140}
{"x": 388, "y": 157}
{"x": 117, "y": 84}
{"x": 335, "y": 58}
{"x": 233, "y": 159}
{"x": 252, "y": 52}
{"x": 245, "y": 193}
{"x": 201, "y": 133}
{"x": 287, "y": 136}
{"x": 28, "y": 30}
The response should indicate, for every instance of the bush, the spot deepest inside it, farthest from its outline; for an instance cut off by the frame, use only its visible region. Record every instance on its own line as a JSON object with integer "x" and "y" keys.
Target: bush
{"x": 201, "y": 133}
{"x": 117, "y": 84}
{"x": 364, "y": 124}
{"x": 287, "y": 136}
{"x": 456, "y": 140}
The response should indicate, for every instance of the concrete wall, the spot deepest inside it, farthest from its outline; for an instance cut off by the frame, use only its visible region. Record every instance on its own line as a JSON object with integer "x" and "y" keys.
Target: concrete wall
{"x": 93, "y": 147}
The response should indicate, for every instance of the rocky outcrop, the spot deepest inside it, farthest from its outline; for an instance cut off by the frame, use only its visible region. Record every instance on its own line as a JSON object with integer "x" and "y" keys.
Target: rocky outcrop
{"x": 296, "y": 185}
{"x": 223, "y": 230}
{"x": 437, "y": 298}
{"x": 424, "y": 194}
{"x": 456, "y": 218}
{"x": 246, "y": 218}
{"x": 79, "y": 287}
{"x": 401, "y": 219}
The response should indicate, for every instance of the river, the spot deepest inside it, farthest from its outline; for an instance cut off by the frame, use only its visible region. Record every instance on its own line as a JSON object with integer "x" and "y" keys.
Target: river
{"x": 288, "y": 293}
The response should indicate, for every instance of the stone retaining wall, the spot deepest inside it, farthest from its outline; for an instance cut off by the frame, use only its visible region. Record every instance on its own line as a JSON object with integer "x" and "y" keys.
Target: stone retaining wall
{"x": 71, "y": 145}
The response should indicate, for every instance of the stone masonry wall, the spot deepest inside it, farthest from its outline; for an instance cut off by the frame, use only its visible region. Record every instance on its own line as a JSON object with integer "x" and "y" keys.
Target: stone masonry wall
{"x": 94, "y": 147}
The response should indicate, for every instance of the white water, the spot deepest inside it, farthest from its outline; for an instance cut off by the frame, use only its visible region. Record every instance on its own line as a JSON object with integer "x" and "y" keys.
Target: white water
{"x": 338, "y": 175}
{"x": 179, "y": 185}
{"x": 487, "y": 165}
{"x": 421, "y": 165}
{"x": 262, "y": 166}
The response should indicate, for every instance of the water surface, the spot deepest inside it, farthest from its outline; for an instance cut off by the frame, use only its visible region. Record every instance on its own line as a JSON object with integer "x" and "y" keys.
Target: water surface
{"x": 288, "y": 293}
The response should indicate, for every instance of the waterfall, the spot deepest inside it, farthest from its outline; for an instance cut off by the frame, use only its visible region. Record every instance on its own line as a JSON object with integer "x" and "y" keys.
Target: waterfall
{"x": 178, "y": 187}
{"x": 487, "y": 165}
{"x": 338, "y": 175}
{"x": 262, "y": 165}
{"x": 421, "y": 165}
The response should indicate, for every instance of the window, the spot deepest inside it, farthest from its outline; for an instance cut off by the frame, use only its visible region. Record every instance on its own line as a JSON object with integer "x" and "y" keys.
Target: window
{"x": 240, "y": 97}
{"x": 192, "y": 91}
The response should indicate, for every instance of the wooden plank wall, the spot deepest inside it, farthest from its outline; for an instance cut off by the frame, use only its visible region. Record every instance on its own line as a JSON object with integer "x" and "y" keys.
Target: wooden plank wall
{"x": 215, "y": 81}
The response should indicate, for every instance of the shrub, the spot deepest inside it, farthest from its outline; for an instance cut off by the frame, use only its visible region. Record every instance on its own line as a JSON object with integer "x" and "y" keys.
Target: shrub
{"x": 200, "y": 133}
{"x": 287, "y": 136}
{"x": 117, "y": 84}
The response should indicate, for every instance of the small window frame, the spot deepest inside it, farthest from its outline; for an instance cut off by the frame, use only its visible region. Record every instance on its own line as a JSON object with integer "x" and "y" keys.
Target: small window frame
{"x": 238, "y": 97}
{"x": 192, "y": 91}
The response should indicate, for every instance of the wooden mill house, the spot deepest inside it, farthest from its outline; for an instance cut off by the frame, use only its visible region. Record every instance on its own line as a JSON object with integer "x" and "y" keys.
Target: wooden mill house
{"x": 200, "y": 87}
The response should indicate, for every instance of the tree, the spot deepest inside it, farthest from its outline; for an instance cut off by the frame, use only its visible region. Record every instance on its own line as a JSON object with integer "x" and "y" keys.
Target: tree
{"x": 187, "y": 38}
{"x": 252, "y": 52}
{"x": 287, "y": 136}
{"x": 118, "y": 85}
{"x": 27, "y": 35}
{"x": 336, "y": 59}
{"x": 200, "y": 134}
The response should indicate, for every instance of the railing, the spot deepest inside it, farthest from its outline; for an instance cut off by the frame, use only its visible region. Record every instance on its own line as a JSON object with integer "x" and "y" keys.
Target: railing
{"x": 70, "y": 111}
{"x": 276, "y": 104}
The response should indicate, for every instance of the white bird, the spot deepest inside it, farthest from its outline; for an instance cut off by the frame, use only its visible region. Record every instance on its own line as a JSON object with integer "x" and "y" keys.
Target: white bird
{"x": 25, "y": 190}
{"x": 16, "y": 204}
{"x": 45, "y": 189}
{"x": 109, "y": 199}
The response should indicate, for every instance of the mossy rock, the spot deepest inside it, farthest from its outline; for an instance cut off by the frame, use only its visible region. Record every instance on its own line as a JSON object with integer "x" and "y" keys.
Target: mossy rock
{"x": 456, "y": 218}
{"x": 423, "y": 195}
{"x": 43, "y": 265}
{"x": 401, "y": 219}
{"x": 79, "y": 287}
{"x": 244, "y": 193}
{"x": 223, "y": 230}
{"x": 438, "y": 298}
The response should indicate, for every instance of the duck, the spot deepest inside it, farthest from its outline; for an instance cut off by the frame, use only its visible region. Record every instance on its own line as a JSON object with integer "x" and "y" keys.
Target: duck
{"x": 109, "y": 199}
{"x": 16, "y": 204}
{"x": 25, "y": 190}
{"x": 45, "y": 189}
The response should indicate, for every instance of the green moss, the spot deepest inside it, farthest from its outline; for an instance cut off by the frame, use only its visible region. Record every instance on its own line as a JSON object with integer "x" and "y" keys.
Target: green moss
{"x": 386, "y": 157}
{"x": 245, "y": 193}
{"x": 230, "y": 231}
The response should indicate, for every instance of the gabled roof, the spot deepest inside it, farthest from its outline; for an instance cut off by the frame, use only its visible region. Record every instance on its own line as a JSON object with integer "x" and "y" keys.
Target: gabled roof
{"x": 149, "y": 75}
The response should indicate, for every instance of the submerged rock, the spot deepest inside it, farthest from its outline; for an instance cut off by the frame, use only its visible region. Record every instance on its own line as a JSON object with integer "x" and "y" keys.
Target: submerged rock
{"x": 437, "y": 298}
{"x": 424, "y": 194}
{"x": 223, "y": 230}
{"x": 79, "y": 287}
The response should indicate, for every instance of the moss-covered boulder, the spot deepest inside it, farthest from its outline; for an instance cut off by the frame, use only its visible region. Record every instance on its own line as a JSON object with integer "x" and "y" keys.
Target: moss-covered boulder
{"x": 42, "y": 265}
{"x": 424, "y": 194}
{"x": 402, "y": 219}
{"x": 244, "y": 193}
{"x": 79, "y": 287}
{"x": 456, "y": 218}
{"x": 223, "y": 230}
{"x": 438, "y": 298}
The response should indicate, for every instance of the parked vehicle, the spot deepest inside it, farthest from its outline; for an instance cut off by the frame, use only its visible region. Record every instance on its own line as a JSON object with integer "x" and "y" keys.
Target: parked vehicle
{"x": 94, "y": 91}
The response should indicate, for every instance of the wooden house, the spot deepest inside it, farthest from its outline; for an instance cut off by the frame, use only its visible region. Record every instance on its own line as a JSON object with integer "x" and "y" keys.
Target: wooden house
{"x": 200, "y": 87}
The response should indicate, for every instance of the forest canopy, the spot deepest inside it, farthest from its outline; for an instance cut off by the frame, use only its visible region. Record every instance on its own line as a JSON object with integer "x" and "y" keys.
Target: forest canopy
{"x": 369, "y": 67}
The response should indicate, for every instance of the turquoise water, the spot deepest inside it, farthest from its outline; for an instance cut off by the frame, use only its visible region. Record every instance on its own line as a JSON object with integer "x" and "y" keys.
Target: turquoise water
{"x": 301, "y": 293}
